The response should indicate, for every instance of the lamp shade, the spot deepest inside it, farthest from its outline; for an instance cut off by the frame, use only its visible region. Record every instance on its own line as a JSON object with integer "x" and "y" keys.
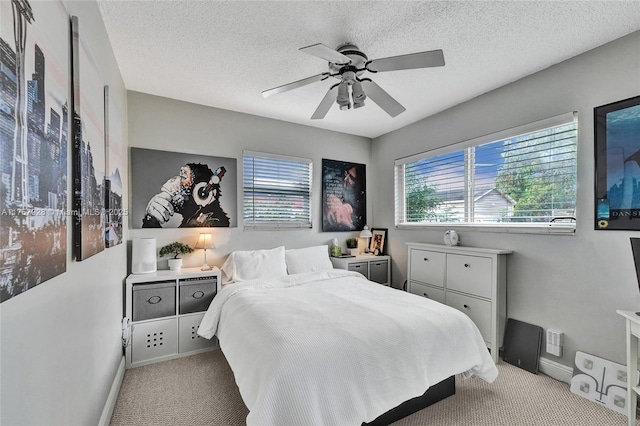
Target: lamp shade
{"x": 205, "y": 241}
{"x": 365, "y": 233}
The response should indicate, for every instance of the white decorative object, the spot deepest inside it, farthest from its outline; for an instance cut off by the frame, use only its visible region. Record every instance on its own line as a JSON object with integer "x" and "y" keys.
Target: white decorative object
{"x": 175, "y": 264}
{"x": 353, "y": 251}
{"x": 451, "y": 238}
{"x": 143, "y": 256}
{"x": 600, "y": 380}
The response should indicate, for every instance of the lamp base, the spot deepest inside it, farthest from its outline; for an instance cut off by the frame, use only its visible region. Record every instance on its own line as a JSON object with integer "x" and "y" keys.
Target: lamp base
{"x": 206, "y": 268}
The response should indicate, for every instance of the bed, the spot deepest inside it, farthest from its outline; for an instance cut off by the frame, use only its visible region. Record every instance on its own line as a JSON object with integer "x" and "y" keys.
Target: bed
{"x": 322, "y": 346}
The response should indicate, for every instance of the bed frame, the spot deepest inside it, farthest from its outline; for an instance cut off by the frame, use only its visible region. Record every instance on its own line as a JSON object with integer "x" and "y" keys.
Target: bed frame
{"x": 435, "y": 393}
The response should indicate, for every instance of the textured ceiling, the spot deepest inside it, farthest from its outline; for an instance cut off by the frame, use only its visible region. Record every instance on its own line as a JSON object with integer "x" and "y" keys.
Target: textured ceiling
{"x": 225, "y": 53}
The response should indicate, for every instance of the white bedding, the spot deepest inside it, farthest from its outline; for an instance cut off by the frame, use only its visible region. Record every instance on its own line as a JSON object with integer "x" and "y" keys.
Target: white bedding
{"x": 331, "y": 348}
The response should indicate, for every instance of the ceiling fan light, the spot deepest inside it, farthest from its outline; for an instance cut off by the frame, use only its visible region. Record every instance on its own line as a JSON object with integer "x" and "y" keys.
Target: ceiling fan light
{"x": 358, "y": 93}
{"x": 358, "y": 104}
{"x": 345, "y": 107}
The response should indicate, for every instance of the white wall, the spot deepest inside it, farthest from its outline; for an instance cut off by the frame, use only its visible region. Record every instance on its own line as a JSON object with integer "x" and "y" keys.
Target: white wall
{"x": 170, "y": 125}
{"x": 569, "y": 283}
{"x": 60, "y": 342}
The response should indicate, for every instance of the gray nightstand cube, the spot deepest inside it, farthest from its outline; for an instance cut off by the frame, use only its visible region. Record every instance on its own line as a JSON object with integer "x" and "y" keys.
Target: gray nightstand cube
{"x": 374, "y": 268}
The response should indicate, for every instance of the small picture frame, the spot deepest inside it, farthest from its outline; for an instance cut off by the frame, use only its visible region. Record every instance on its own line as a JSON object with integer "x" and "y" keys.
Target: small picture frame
{"x": 378, "y": 241}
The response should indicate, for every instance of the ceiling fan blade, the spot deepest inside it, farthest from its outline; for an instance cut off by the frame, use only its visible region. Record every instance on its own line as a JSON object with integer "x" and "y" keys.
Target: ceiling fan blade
{"x": 326, "y": 53}
{"x": 433, "y": 58}
{"x": 295, "y": 85}
{"x": 382, "y": 98}
{"x": 325, "y": 104}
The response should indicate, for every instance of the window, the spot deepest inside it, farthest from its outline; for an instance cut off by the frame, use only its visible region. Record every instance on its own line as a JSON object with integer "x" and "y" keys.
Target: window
{"x": 518, "y": 178}
{"x": 277, "y": 191}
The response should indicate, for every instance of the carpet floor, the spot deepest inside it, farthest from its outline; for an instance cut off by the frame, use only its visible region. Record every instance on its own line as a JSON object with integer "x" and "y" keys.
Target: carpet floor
{"x": 200, "y": 390}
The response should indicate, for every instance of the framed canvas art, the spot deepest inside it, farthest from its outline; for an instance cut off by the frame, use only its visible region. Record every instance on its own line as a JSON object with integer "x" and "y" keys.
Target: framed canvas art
{"x": 34, "y": 87}
{"x": 180, "y": 190}
{"x": 617, "y": 146}
{"x": 113, "y": 207}
{"x": 344, "y": 196}
{"x": 88, "y": 149}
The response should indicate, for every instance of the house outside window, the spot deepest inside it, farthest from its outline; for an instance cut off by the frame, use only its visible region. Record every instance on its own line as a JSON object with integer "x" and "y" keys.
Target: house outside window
{"x": 276, "y": 191}
{"x": 522, "y": 178}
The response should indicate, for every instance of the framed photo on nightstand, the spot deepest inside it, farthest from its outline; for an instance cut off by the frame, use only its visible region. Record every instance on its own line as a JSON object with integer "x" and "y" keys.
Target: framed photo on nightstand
{"x": 378, "y": 241}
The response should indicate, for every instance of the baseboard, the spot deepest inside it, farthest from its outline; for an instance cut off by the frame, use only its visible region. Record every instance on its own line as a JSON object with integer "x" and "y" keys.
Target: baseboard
{"x": 556, "y": 370}
{"x": 107, "y": 411}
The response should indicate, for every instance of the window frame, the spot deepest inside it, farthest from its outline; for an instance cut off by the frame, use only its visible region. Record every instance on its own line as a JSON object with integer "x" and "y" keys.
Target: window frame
{"x": 282, "y": 224}
{"x": 524, "y": 227}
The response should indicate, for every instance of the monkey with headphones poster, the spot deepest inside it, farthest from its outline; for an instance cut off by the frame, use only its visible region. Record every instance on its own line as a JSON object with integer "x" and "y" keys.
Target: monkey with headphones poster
{"x": 177, "y": 190}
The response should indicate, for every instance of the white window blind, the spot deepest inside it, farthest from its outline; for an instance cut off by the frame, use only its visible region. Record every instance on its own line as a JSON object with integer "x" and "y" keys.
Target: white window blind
{"x": 519, "y": 177}
{"x": 277, "y": 191}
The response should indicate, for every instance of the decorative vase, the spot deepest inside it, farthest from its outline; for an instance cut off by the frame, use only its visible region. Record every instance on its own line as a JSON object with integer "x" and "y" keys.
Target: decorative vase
{"x": 175, "y": 264}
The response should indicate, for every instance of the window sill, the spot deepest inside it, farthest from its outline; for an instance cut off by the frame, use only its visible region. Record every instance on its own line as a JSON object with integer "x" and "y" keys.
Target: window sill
{"x": 511, "y": 229}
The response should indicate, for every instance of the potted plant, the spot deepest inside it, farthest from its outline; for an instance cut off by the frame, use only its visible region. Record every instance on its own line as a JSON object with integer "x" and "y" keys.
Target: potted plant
{"x": 175, "y": 249}
{"x": 352, "y": 245}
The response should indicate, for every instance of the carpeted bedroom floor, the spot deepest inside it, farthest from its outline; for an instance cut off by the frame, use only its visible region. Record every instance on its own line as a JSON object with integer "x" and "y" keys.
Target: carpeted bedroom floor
{"x": 200, "y": 390}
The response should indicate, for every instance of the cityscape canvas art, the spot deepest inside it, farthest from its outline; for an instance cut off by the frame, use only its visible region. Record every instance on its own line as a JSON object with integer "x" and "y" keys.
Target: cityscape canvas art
{"x": 114, "y": 211}
{"x": 34, "y": 74}
{"x": 88, "y": 149}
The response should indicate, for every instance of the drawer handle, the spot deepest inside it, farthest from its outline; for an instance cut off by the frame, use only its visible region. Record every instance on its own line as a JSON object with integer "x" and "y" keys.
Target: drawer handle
{"x": 466, "y": 306}
{"x": 154, "y": 299}
{"x": 426, "y": 259}
{"x": 198, "y": 294}
{"x": 466, "y": 265}
{"x": 425, "y": 294}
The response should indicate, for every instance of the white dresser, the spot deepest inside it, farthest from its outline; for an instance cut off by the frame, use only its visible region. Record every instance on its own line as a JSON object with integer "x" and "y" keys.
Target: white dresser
{"x": 472, "y": 280}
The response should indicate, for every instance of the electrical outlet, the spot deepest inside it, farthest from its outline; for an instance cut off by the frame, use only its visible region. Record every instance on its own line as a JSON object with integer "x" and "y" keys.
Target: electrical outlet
{"x": 554, "y": 342}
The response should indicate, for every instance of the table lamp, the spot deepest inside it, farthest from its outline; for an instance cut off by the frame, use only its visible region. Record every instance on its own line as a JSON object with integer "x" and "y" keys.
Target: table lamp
{"x": 205, "y": 241}
{"x": 366, "y": 233}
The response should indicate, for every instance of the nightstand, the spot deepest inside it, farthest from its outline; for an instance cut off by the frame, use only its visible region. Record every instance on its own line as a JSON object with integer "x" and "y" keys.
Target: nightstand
{"x": 374, "y": 268}
{"x": 165, "y": 309}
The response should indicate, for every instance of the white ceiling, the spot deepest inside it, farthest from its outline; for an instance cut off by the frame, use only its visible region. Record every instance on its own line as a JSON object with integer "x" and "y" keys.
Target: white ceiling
{"x": 225, "y": 53}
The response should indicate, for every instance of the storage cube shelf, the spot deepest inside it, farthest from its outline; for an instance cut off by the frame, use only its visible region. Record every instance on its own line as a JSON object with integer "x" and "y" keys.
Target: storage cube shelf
{"x": 165, "y": 308}
{"x": 472, "y": 280}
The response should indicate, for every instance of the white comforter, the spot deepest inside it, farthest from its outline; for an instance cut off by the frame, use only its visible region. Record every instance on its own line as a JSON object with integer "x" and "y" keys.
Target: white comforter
{"x": 331, "y": 348}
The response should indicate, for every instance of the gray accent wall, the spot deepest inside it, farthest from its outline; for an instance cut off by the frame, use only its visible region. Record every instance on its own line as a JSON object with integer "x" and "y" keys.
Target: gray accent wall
{"x": 569, "y": 283}
{"x": 60, "y": 342}
{"x": 171, "y": 125}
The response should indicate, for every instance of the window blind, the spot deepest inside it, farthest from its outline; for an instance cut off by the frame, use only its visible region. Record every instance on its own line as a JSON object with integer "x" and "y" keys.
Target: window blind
{"x": 527, "y": 176}
{"x": 277, "y": 191}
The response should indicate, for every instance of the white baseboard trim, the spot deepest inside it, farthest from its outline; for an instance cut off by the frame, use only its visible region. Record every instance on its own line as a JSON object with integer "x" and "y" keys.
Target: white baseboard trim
{"x": 556, "y": 370}
{"x": 107, "y": 411}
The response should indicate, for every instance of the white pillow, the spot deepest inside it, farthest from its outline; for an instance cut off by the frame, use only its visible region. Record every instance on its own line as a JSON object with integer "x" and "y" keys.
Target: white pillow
{"x": 255, "y": 264}
{"x": 309, "y": 259}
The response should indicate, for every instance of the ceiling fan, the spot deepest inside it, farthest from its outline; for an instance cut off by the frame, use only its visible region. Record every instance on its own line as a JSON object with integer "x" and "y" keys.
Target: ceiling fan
{"x": 348, "y": 63}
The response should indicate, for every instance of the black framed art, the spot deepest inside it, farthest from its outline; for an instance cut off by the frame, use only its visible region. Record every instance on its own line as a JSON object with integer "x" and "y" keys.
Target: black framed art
{"x": 344, "y": 196}
{"x": 617, "y": 165}
{"x": 378, "y": 242}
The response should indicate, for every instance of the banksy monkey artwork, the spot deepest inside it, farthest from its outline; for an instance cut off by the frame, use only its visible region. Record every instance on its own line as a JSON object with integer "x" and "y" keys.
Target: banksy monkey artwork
{"x": 189, "y": 195}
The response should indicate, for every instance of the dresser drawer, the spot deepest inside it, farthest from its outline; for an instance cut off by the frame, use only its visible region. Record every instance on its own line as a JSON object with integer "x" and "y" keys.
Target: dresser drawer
{"x": 362, "y": 267}
{"x": 379, "y": 271}
{"x": 154, "y": 339}
{"x": 469, "y": 274}
{"x": 189, "y": 340}
{"x": 478, "y": 310}
{"x": 429, "y": 292}
{"x": 427, "y": 267}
